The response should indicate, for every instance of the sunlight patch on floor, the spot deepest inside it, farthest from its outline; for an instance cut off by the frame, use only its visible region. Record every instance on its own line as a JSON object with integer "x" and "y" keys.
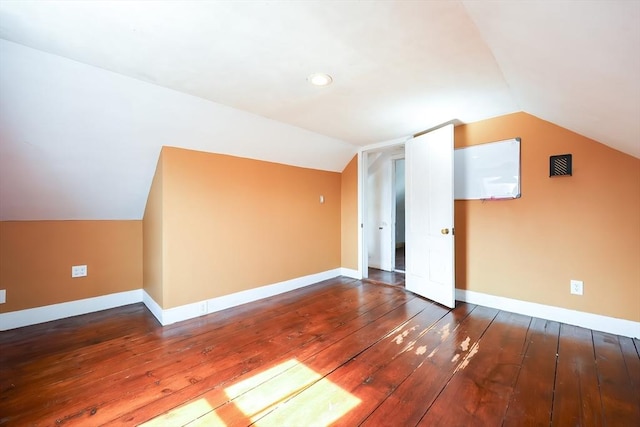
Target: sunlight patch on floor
{"x": 256, "y": 396}
{"x": 321, "y": 404}
{"x": 290, "y": 393}
{"x": 256, "y": 380}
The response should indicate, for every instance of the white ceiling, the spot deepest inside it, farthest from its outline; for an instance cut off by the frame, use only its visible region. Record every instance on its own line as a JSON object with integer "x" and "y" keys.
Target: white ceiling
{"x": 398, "y": 68}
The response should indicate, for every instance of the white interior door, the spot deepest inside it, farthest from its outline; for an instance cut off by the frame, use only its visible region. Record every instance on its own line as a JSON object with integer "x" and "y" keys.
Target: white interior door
{"x": 429, "y": 216}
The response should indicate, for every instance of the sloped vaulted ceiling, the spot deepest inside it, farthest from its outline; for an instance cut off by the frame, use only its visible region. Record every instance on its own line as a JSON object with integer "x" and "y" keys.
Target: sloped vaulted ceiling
{"x": 90, "y": 91}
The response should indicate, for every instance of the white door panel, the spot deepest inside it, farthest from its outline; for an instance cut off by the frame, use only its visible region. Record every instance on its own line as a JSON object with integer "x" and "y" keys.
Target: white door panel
{"x": 429, "y": 213}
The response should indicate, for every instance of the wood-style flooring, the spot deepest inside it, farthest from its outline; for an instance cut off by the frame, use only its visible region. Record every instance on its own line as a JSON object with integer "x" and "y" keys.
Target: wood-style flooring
{"x": 393, "y": 278}
{"x": 341, "y": 352}
{"x": 381, "y": 277}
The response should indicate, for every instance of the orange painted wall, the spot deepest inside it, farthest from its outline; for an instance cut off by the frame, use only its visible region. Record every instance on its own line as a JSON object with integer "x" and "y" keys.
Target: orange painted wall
{"x": 584, "y": 227}
{"x": 349, "y": 215}
{"x": 232, "y": 224}
{"x": 36, "y": 259}
{"x": 218, "y": 224}
{"x": 153, "y": 232}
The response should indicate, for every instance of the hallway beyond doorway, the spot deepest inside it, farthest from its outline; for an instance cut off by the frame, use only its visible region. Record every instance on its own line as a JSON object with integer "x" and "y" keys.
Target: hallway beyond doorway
{"x": 400, "y": 256}
{"x": 381, "y": 277}
{"x": 393, "y": 278}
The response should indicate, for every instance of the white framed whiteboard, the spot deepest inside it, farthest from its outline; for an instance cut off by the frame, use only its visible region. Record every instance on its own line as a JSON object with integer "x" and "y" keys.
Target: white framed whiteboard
{"x": 487, "y": 171}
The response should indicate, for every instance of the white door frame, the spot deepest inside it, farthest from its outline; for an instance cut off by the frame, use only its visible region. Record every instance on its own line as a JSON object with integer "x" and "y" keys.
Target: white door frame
{"x": 363, "y": 261}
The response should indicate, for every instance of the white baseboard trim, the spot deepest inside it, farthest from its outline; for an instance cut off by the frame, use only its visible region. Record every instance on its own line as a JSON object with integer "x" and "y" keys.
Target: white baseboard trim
{"x": 152, "y": 305}
{"x": 47, "y": 313}
{"x": 352, "y": 274}
{"x": 200, "y": 308}
{"x": 596, "y": 322}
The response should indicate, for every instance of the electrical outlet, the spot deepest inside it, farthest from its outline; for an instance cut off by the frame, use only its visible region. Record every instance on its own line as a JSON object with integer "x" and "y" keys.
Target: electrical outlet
{"x": 3, "y": 296}
{"x": 79, "y": 271}
{"x": 577, "y": 287}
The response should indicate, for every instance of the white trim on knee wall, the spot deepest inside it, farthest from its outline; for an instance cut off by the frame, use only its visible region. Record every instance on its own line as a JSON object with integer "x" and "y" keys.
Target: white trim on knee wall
{"x": 47, "y": 313}
{"x": 200, "y": 308}
{"x": 33, "y": 316}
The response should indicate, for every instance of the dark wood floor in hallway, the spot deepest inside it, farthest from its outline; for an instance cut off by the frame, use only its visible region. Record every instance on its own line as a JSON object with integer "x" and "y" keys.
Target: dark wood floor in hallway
{"x": 341, "y": 352}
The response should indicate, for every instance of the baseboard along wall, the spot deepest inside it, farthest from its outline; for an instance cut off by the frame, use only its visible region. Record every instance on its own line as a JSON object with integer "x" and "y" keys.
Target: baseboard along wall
{"x": 596, "y": 322}
{"x": 47, "y": 313}
{"x": 32, "y": 316}
{"x": 200, "y": 308}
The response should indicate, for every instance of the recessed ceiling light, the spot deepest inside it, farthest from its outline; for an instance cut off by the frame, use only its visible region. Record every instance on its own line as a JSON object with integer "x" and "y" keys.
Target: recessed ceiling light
{"x": 320, "y": 79}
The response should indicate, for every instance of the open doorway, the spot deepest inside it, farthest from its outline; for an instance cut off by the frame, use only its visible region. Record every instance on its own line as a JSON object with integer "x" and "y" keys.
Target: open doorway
{"x": 429, "y": 238}
{"x": 383, "y": 216}
{"x": 399, "y": 213}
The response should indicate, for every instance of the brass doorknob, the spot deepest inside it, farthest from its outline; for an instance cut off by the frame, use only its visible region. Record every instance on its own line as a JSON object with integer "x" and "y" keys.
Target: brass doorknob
{"x": 445, "y": 231}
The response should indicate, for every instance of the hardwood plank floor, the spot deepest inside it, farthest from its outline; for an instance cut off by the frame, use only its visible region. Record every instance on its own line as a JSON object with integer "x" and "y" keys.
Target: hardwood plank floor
{"x": 341, "y": 352}
{"x": 381, "y": 277}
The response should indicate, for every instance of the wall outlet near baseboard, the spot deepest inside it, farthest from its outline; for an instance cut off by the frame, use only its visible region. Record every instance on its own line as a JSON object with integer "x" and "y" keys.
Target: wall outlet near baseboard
{"x": 3, "y": 296}
{"x": 79, "y": 271}
{"x": 577, "y": 287}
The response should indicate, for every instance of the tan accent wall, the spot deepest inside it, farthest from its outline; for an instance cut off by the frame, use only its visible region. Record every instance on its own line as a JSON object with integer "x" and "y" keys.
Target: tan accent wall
{"x": 584, "y": 227}
{"x": 232, "y": 224}
{"x": 152, "y": 239}
{"x": 36, "y": 259}
{"x": 349, "y": 218}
